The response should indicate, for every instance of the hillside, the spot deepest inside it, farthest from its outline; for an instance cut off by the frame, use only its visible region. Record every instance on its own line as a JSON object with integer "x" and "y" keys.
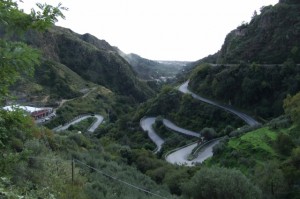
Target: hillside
{"x": 159, "y": 71}
{"x": 117, "y": 160}
{"x": 258, "y": 89}
{"x": 271, "y": 37}
{"x": 265, "y": 53}
{"x": 92, "y": 59}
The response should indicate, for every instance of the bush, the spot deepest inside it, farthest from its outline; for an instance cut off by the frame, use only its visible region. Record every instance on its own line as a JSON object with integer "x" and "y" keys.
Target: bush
{"x": 208, "y": 133}
{"x": 243, "y": 130}
{"x": 280, "y": 122}
{"x": 284, "y": 143}
{"x": 220, "y": 183}
{"x": 17, "y": 144}
{"x": 219, "y": 148}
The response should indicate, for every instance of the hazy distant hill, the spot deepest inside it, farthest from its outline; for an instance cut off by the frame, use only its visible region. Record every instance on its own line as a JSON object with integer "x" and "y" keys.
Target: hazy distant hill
{"x": 152, "y": 69}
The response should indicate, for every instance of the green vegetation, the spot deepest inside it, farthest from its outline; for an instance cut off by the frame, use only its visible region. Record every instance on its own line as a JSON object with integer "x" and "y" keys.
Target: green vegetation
{"x": 230, "y": 184}
{"x": 270, "y": 37}
{"x": 255, "y": 141}
{"x": 93, "y": 62}
{"x": 83, "y": 125}
{"x": 188, "y": 112}
{"x": 291, "y": 107}
{"x": 258, "y": 89}
{"x": 153, "y": 70}
{"x": 172, "y": 139}
{"x": 267, "y": 156}
{"x": 248, "y": 163}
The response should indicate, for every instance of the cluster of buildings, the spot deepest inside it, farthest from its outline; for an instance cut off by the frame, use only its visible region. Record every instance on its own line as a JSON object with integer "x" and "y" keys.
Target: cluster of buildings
{"x": 39, "y": 114}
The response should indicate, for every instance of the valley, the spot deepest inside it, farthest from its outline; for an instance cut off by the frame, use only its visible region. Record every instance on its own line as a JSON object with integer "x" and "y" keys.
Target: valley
{"x": 123, "y": 126}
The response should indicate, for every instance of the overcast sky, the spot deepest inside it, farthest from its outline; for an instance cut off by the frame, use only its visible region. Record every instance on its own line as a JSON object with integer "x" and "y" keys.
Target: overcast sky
{"x": 159, "y": 29}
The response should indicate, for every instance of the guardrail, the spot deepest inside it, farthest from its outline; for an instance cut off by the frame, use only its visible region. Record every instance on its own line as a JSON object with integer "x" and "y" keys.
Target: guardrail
{"x": 194, "y": 153}
{"x": 173, "y": 150}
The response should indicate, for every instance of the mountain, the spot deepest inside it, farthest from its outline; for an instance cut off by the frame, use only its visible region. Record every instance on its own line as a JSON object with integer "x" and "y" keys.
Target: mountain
{"x": 271, "y": 37}
{"x": 92, "y": 59}
{"x": 152, "y": 69}
{"x": 266, "y": 52}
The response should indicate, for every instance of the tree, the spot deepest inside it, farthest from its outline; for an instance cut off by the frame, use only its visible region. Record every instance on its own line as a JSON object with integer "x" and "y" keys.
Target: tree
{"x": 220, "y": 183}
{"x": 291, "y": 107}
{"x": 208, "y": 133}
{"x": 284, "y": 143}
{"x": 17, "y": 58}
{"x": 270, "y": 179}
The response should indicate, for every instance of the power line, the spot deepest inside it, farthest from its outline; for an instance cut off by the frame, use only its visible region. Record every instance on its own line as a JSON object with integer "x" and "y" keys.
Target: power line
{"x": 103, "y": 173}
{"x": 119, "y": 180}
{"x": 53, "y": 159}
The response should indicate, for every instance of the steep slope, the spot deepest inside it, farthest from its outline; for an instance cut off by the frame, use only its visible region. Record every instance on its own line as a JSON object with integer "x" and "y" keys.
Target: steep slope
{"x": 266, "y": 51}
{"x": 271, "y": 37}
{"x": 52, "y": 81}
{"x": 92, "y": 59}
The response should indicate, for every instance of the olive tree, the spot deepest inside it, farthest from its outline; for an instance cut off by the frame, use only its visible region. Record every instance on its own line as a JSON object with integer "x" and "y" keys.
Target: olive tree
{"x": 217, "y": 183}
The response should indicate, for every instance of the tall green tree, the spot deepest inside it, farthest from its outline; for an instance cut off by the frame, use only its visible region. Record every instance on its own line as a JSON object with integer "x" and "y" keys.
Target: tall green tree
{"x": 292, "y": 107}
{"x": 220, "y": 183}
{"x": 17, "y": 58}
{"x": 271, "y": 180}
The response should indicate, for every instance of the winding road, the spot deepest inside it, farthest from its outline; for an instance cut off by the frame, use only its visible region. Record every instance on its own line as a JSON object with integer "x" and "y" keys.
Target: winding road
{"x": 173, "y": 127}
{"x": 146, "y": 124}
{"x": 180, "y": 156}
{"x": 248, "y": 119}
{"x": 91, "y": 129}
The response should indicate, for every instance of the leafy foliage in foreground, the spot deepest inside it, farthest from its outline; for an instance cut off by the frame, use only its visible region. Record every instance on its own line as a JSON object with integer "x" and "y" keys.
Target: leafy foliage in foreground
{"x": 40, "y": 166}
{"x": 16, "y": 58}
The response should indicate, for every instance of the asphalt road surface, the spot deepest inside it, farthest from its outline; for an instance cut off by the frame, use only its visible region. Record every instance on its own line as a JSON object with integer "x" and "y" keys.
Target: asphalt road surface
{"x": 248, "y": 119}
{"x": 91, "y": 129}
{"x": 180, "y": 156}
{"x": 146, "y": 124}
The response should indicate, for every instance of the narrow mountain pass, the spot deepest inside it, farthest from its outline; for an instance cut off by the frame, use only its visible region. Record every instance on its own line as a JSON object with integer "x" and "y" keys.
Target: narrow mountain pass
{"x": 180, "y": 156}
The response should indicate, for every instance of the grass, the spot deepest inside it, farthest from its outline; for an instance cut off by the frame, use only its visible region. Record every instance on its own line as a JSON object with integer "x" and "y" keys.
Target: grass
{"x": 259, "y": 140}
{"x": 247, "y": 151}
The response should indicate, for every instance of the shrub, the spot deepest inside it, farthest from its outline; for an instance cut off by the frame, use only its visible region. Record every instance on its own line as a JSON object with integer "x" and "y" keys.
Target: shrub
{"x": 208, "y": 133}
{"x": 220, "y": 183}
{"x": 219, "y": 148}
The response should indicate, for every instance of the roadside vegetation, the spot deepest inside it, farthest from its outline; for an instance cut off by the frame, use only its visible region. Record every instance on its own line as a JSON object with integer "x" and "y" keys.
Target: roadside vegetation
{"x": 83, "y": 125}
{"x": 117, "y": 160}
